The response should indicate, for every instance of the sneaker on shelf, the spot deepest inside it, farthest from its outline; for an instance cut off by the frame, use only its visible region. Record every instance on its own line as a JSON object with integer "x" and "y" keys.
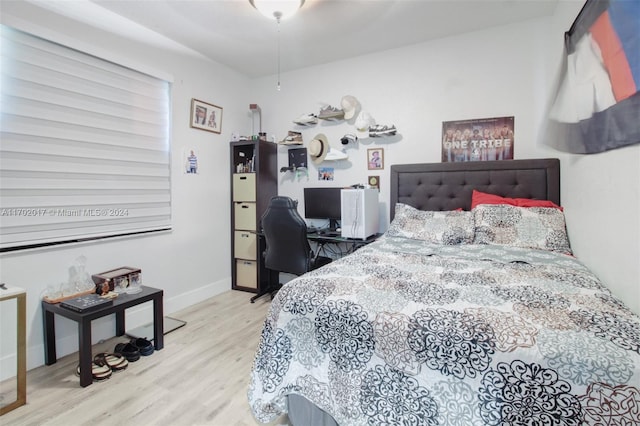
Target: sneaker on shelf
{"x": 331, "y": 113}
{"x": 380, "y": 130}
{"x": 293, "y": 138}
{"x": 306, "y": 120}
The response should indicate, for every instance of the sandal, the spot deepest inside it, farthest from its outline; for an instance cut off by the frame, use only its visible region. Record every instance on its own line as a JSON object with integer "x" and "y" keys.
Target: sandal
{"x": 98, "y": 372}
{"x": 114, "y": 361}
{"x": 144, "y": 346}
{"x": 127, "y": 350}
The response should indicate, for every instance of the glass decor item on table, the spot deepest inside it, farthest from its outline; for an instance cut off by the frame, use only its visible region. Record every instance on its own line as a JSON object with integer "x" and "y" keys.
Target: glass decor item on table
{"x": 121, "y": 284}
{"x": 135, "y": 283}
{"x": 79, "y": 279}
{"x": 52, "y": 292}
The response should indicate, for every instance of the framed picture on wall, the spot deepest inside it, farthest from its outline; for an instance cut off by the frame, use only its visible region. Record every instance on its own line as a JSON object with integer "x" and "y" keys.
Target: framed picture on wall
{"x": 325, "y": 173}
{"x": 374, "y": 182}
{"x": 206, "y": 116}
{"x": 375, "y": 158}
{"x": 482, "y": 139}
{"x": 297, "y": 158}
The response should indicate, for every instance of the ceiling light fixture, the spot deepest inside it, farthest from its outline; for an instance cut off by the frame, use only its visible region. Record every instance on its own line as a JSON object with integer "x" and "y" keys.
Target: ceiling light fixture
{"x": 277, "y": 9}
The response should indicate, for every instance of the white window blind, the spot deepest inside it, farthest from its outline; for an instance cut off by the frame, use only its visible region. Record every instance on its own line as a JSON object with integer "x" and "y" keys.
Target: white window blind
{"x": 84, "y": 148}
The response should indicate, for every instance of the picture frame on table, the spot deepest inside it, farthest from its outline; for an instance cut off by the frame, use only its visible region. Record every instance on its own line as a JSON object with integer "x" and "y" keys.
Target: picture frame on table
{"x": 206, "y": 116}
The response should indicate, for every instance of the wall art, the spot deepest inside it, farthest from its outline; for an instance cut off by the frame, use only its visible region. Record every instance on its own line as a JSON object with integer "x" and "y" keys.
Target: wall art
{"x": 483, "y": 139}
{"x": 206, "y": 116}
{"x": 375, "y": 158}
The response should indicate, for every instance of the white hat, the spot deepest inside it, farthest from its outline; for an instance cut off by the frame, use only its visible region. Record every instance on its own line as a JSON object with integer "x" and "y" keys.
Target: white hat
{"x": 364, "y": 121}
{"x": 318, "y": 148}
{"x": 335, "y": 154}
{"x": 349, "y": 105}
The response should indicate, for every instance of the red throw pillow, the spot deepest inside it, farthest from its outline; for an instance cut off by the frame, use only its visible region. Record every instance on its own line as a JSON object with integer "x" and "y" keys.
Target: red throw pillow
{"x": 478, "y": 197}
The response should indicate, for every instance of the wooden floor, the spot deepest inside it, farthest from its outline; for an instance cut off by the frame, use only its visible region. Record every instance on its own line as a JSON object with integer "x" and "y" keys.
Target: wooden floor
{"x": 199, "y": 378}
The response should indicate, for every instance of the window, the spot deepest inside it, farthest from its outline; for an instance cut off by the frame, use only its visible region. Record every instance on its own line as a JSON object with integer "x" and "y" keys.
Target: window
{"x": 84, "y": 149}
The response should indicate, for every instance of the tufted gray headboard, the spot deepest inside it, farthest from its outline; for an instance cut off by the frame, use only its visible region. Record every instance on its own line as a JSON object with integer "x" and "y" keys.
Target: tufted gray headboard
{"x": 448, "y": 186}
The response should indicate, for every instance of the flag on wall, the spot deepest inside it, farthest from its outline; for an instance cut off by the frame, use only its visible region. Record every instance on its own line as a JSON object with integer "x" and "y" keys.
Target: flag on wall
{"x": 597, "y": 107}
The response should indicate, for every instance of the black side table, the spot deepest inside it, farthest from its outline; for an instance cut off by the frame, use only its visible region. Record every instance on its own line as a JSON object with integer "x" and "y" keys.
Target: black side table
{"x": 122, "y": 302}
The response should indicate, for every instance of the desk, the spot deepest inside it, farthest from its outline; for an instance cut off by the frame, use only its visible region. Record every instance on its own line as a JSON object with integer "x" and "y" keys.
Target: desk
{"x": 352, "y": 243}
{"x": 267, "y": 276}
{"x": 122, "y": 302}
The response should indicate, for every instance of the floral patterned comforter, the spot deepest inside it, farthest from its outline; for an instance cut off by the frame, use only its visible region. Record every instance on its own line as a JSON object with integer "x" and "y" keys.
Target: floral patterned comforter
{"x": 405, "y": 332}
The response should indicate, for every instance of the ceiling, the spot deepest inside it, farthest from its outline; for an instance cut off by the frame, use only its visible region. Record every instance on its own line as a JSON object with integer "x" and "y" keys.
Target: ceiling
{"x": 233, "y": 33}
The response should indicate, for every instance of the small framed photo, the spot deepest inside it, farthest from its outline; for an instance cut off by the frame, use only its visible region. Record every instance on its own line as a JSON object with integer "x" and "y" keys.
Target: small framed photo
{"x": 206, "y": 116}
{"x": 190, "y": 161}
{"x": 374, "y": 182}
{"x": 375, "y": 158}
{"x": 325, "y": 173}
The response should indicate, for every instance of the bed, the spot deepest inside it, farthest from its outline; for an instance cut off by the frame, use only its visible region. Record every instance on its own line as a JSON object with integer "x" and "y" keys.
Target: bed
{"x": 470, "y": 310}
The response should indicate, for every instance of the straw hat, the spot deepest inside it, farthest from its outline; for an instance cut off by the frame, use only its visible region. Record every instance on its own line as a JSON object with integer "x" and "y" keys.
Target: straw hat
{"x": 318, "y": 148}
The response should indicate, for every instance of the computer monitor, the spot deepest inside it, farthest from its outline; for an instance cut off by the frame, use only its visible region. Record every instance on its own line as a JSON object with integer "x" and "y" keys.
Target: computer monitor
{"x": 323, "y": 203}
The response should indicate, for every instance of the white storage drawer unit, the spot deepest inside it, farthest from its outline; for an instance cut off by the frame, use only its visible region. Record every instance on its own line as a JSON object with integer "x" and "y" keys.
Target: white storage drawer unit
{"x": 254, "y": 181}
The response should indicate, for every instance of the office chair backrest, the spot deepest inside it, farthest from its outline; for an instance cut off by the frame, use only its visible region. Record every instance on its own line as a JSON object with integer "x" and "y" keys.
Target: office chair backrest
{"x": 285, "y": 232}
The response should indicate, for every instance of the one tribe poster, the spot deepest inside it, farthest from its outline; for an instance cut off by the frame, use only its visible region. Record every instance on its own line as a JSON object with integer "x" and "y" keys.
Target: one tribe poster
{"x": 484, "y": 139}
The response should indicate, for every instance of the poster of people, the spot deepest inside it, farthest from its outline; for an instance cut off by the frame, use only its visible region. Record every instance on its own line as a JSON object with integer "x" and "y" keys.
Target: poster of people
{"x": 484, "y": 139}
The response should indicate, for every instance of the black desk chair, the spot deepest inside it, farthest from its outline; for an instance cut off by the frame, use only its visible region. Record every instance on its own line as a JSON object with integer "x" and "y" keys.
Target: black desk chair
{"x": 288, "y": 249}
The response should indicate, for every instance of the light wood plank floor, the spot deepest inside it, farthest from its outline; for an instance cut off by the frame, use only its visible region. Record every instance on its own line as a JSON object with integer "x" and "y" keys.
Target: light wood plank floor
{"x": 199, "y": 378}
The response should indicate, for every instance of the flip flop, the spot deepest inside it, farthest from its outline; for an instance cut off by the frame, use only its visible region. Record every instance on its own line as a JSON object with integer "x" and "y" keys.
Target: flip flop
{"x": 114, "y": 361}
{"x": 98, "y": 372}
{"x": 129, "y": 351}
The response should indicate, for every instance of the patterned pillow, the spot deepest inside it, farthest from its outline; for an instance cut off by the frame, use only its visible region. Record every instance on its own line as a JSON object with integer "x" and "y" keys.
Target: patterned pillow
{"x": 438, "y": 227}
{"x": 530, "y": 227}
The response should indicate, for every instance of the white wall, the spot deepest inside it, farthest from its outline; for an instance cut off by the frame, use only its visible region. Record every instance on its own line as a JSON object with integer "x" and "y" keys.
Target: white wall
{"x": 601, "y": 193}
{"x": 504, "y": 71}
{"x": 190, "y": 263}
